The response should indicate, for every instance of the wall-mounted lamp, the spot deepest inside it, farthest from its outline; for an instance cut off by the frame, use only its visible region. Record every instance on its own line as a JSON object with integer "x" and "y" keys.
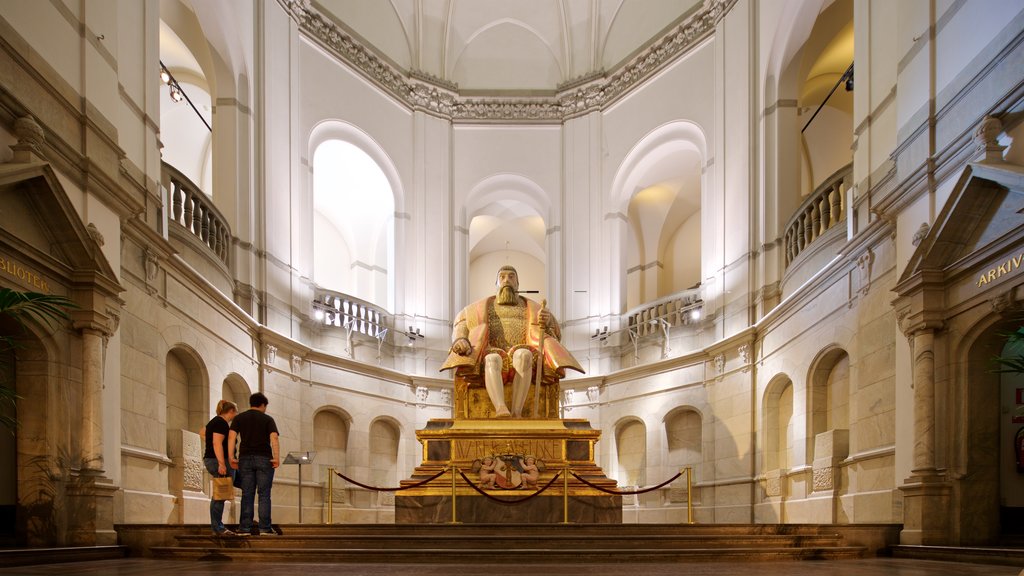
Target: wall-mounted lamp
{"x": 177, "y": 94}
{"x": 414, "y": 334}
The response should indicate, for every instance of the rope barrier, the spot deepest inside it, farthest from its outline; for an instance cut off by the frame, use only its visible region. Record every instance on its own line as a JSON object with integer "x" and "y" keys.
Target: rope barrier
{"x": 398, "y": 489}
{"x": 620, "y": 492}
{"x": 503, "y": 501}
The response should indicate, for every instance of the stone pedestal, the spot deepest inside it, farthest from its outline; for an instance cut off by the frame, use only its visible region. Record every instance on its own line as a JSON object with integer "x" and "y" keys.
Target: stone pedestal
{"x": 926, "y": 512}
{"x": 90, "y": 512}
{"x": 557, "y": 444}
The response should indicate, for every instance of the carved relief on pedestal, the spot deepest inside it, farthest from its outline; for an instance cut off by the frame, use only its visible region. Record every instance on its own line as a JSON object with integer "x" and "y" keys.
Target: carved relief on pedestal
{"x": 185, "y": 450}
{"x": 773, "y": 483}
{"x": 823, "y": 478}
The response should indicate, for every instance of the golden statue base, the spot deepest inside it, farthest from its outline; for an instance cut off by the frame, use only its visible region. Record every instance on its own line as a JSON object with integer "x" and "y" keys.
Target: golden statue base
{"x": 560, "y": 447}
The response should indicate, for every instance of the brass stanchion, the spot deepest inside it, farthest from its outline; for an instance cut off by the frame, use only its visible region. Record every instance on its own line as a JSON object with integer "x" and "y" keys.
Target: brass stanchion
{"x": 330, "y": 495}
{"x": 565, "y": 495}
{"x": 454, "y": 471}
{"x": 689, "y": 496}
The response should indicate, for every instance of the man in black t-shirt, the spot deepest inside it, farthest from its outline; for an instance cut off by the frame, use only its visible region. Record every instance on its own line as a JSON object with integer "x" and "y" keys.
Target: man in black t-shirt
{"x": 258, "y": 457}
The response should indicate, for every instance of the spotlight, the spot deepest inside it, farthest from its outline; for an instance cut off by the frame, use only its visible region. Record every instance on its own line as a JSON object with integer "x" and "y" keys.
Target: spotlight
{"x": 695, "y": 314}
{"x": 176, "y": 94}
{"x": 318, "y": 314}
{"x": 165, "y": 76}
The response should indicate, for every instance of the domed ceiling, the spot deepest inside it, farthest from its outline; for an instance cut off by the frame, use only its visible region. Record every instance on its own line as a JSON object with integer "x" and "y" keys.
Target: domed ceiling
{"x": 507, "y": 46}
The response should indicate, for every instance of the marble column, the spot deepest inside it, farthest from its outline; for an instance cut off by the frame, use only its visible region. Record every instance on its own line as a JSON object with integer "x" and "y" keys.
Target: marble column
{"x": 92, "y": 401}
{"x": 927, "y": 493}
{"x": 924, "y": 401}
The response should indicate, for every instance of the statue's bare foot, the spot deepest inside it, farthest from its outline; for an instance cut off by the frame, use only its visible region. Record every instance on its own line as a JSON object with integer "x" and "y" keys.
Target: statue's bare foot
{"x": 502, "y": 413}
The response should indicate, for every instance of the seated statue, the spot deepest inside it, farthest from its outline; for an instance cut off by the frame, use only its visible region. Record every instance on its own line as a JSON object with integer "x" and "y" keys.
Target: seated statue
{"x": 499, "y": 337}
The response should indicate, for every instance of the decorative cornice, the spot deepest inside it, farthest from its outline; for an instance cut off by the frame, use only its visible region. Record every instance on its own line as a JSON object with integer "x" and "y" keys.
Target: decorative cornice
{"x": 421, "y": 91}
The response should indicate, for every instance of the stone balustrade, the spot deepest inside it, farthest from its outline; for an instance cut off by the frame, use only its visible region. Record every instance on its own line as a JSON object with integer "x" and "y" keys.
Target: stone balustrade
{"x": 344, "y": 311}
{"x": 679, "y": 309}
{"x": 194, "y": 211}
{"x": 821, "y": 211}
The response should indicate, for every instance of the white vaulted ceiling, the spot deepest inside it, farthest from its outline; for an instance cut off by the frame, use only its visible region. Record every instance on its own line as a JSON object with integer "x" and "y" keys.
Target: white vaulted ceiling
{"x": 489, "y": 46}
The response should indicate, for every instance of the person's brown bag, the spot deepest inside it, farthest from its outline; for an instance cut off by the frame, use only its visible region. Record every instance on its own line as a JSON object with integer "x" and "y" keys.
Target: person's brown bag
{"x": 223, "y": 489}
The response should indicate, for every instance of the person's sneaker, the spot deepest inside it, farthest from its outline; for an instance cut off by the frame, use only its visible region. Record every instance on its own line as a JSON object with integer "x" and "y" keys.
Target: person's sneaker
{"x": 226, "y": 532}
{"x": 268, "y": 533}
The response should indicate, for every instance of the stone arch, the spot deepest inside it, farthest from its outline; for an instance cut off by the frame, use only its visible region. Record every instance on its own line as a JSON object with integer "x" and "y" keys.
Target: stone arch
{"x": 829, "y": 401}
{"x": 684, "y": 430}
{"x": 778, "y": 410}
{"x": 384, "y": 449}
{"x": 631, "y": 451}
{"x": 331, "y": 432}
{"x": 971, "y": 446}
{"x": 368, "y": 261}
{"x": 507, "y": 216}
{"x": 235, "y": 389}
{"x": 657, "y": 193}
{"x": 38, "y": 453}
{"x": 185, "y": 389}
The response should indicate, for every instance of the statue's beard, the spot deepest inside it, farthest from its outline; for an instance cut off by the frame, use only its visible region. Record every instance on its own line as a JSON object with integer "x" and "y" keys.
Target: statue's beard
{"x": 507, "y": 295}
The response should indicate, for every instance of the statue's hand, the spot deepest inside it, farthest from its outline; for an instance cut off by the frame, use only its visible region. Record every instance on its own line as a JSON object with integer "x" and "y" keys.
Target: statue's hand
{"x": 462, "y": 347}
{"x": 545, "y": 318}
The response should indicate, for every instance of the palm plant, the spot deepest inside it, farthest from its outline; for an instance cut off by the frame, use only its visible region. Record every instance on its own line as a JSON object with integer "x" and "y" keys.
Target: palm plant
{"x": 1013, "y": 361}
{"x": 23, "y": 307}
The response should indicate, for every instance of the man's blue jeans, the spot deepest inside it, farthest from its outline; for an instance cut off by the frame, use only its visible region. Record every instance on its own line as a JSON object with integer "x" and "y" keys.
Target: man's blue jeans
{"x": 257, "y": 476}
{"x": 216, "y": 506}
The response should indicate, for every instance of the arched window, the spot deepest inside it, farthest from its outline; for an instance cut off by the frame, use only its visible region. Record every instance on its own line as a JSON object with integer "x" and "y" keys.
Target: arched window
{"x": 631, "y": 446}
{"x": 353, "y": 225}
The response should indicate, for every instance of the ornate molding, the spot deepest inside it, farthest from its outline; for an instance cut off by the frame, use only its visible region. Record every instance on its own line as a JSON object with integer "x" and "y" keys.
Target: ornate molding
{"x": 864, "y": 263}
{"x": 422, "y": 91}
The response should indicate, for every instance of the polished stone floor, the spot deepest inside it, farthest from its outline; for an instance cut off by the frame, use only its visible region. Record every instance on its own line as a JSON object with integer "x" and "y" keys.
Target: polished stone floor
{"x": 522, "y": 567}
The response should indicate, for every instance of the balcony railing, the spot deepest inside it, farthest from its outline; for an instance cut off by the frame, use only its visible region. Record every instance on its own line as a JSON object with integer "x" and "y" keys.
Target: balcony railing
{"x": 822, "y": 210}
{"x": 194, "y": 211}
{"x": 343, "y": 311}
{"x": 679, "y": 309}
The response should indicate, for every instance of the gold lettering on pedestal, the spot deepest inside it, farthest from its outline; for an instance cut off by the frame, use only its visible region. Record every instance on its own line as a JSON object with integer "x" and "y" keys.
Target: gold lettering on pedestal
{"x": 16, "y": 270}
{"x": 549, "y": 450}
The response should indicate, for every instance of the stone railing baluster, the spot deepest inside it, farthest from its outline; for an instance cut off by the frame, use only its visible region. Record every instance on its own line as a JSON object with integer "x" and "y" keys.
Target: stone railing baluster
{"x": 194, "y": 211}
{"x": 819, "y": 213}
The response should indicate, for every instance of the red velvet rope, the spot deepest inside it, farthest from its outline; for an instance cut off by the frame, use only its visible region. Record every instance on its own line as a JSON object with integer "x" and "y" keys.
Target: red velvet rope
{"x": 400, "y": 488}
{"x": 621, "y": 493}
{"x": 502, "y": 501}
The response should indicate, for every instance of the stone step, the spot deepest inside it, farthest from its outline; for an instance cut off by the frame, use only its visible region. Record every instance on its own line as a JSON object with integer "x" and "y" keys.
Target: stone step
{"x": 574, "y": 529}
{"x": 473, "y": 555}
{"x": 29, "y": 556}
{"x": 582, "y": 543}
{"x": 1004, "y": 556}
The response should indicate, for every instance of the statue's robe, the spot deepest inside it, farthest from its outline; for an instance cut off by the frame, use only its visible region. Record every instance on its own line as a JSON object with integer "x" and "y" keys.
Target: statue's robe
{"x": 556, "y": 357}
